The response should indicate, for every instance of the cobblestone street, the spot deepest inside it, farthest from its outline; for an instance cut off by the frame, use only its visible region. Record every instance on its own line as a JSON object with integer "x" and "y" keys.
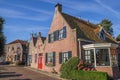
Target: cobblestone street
{"x": 21, "y": 73}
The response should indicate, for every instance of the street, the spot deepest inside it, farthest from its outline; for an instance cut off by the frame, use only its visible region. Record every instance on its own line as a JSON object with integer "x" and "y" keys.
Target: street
{"x": 21, "y": 73}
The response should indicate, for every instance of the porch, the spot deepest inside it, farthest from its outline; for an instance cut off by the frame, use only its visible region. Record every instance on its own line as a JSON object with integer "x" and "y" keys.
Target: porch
{"x": 102, "y": 56}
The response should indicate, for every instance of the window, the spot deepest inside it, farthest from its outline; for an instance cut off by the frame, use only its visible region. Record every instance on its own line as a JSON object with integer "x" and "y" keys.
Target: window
{"x": 18, "y": 50}
{"x": 102, "y": 34}
{"x": 35, "y": 58}
{"x": 62, "y": 33}
{"x": 15, "y": 58}
{"x": 102, "y": 57}
{"x": 89, "y": 57}
{"x": 50, "y": 59}
{"x": 18, "y": 56}
{"x": 30, "y": 58}
{"x": 64, "y": 56}
{"x": 8, "y": 49}
{"x": 13, "y": 49}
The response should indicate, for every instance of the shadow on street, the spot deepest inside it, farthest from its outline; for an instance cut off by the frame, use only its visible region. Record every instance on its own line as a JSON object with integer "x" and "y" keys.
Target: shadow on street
{"x": 9, "y": 74}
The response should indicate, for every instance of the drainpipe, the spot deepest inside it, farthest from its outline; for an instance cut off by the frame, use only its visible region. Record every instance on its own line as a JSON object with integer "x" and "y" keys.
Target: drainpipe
{"x": 110, "y": 56}
{"x": 79, "y": 49}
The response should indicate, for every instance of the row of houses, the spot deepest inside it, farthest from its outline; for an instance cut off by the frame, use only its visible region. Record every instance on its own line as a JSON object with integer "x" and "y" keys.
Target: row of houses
{"x": 68, "y": 37}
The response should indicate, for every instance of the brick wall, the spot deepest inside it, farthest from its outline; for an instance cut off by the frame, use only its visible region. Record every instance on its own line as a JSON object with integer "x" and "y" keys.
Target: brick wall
{"x": 10, "y": 55}
{"x": 67, "y": 44}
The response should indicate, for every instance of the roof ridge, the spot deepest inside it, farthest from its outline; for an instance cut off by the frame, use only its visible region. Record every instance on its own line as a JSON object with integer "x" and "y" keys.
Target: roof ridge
{"x": 18, "y": 41}
{"x": 82, "y": 20}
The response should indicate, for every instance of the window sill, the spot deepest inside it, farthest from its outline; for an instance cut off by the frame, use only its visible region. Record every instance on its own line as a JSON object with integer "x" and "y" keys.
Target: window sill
{"x": 49, "y": 65}
{"x": 57, "y": 40}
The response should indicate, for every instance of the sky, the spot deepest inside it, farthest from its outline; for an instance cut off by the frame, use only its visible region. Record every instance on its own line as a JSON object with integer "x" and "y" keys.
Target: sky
{"x": 23, "y": 17}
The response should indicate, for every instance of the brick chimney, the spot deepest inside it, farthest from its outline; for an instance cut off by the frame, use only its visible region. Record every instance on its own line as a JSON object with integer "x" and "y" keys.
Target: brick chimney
{"x": 58, "y": 7}
{"x": 39, "y": 34}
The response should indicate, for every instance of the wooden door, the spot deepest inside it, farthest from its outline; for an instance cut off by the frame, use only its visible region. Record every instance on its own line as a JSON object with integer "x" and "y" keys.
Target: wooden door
{"x": 40, "y": 61}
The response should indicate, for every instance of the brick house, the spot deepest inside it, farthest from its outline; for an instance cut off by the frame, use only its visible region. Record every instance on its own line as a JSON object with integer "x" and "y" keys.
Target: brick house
{"x": 36, "y": 47}
{"x": 69, "y": 36}
{"x": 16, "y": 51}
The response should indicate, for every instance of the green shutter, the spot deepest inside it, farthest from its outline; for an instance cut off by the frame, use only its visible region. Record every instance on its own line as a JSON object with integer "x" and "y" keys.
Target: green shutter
{"x": 49, "y": 38}
{"x": 57, "y": 35}
{"x": 60, "y": 58}
{"x": 64, "y": 32}
{"x": 46, "y": 58}
{"x": 54, "y": 58}
{"x": 69, "y": 54}
{"x": 54, "y": 36}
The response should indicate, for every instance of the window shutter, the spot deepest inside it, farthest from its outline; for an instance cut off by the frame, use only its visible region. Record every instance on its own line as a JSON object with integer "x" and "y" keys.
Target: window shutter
{"x": 48, "y": 38}
{"x": 54, "y": 36}
{"x": 57, "y": 35}
{"x": 60, "y": 58}
{"x": 46, "y": 58}
{"x": 54, "y": 58}
{"x": 69, "y": 54}
{"x": 64, "y": 32}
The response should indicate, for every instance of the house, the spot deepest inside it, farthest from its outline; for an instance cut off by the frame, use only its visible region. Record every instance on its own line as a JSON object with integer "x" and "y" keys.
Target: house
{"x": 16, "y": 51}
{"x": 69, "y": 36}
{"x": 36, "y": 49}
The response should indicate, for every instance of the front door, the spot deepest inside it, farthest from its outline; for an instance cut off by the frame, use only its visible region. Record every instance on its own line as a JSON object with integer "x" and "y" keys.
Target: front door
{"x": 40, "y": 61}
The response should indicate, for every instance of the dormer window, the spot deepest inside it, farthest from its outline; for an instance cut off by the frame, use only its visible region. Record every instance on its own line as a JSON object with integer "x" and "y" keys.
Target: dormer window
{"x": 102, "y": 34}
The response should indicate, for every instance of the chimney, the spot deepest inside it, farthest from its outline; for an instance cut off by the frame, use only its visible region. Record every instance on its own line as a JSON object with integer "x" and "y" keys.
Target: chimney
{"x": 31, "y": 35}
{"x": 58, "y": 7}
{"x": 39, "y": 34}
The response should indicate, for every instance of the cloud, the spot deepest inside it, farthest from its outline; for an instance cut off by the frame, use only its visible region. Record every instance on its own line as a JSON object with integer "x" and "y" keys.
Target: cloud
{"x": 10, "y": 13}
{"x": 109, "y": 8}
{"x": 16, "y": 28}
{"x": 31, "y": 8}
{"x": 34, "y": 15}
{"x": 50, "y": 1}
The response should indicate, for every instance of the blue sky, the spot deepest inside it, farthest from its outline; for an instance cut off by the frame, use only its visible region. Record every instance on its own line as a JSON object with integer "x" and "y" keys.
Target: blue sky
{"x": 23, "y": 17}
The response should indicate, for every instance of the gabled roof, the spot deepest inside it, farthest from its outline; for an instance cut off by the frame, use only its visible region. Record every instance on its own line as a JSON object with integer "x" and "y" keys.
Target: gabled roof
{"x": 34, "y": 40}
{"x": 85, "y": 29}
{"x": 43, "y": 39}
{"x": 23, "y": 42}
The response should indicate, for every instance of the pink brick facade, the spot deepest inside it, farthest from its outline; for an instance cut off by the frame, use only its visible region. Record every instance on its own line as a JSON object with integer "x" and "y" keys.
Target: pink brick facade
{"x": 62, "y": 45}
{"x": 14, "y": 49}
{"x": 36, "y": 48}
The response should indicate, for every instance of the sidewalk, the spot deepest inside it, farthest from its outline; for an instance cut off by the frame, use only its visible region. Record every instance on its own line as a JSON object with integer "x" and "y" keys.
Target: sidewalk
{"x": 45, "y": 73}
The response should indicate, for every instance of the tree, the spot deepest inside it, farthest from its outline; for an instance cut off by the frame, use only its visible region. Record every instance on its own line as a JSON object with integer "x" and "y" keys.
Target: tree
{"x": 118, "y": 38}
{"x": 2, "y": 38}
{"x": 107, "y": 25}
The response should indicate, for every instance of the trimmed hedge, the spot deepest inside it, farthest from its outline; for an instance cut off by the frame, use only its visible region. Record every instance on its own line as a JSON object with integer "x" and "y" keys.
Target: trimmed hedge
{"x": 69, "y": 65}
{"x": 88, "y": 75}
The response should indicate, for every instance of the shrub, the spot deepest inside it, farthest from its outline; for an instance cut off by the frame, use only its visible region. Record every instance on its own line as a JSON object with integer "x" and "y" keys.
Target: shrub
{"x": 68, "y": 66}
{"x": 88, "y": 75}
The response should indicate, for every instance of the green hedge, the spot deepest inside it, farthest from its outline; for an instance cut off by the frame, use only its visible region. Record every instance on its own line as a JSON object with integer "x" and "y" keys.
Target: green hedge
{"x": 88, "y": 75}
{"x": 69, "y": 65}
